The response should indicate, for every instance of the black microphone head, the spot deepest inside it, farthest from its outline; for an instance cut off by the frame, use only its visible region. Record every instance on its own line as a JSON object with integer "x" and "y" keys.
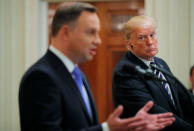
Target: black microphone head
{"x": 129, "y": 68}
{"x": 146, "y": 73}
{"x": 153, "y": 66}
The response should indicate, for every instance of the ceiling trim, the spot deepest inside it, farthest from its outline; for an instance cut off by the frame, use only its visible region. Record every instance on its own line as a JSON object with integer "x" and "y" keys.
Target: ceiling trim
{"x": 84, "y": 0}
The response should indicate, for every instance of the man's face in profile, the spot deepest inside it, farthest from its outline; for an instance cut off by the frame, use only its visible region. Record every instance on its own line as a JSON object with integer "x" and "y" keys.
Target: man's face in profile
{"x": 144, "y": 42}
{"x": 85, "y": 39}
{"x": 192, "y": 77}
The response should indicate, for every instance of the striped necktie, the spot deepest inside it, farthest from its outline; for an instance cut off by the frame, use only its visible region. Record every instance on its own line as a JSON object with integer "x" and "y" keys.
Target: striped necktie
{"x": 165, "y": 84}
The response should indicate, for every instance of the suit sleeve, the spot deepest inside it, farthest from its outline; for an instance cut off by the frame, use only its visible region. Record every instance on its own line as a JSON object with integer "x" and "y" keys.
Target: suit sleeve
{"x": 130, "y": 91}
{"x": 186, "y": 99}
{"x": 186, "y": 102}
{"x": 40, "y": 104}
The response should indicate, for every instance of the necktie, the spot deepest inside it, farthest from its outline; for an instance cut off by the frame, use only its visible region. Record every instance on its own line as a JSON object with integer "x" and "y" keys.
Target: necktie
{"x": 165, "y": 84}
{"x": 78, "y": 79}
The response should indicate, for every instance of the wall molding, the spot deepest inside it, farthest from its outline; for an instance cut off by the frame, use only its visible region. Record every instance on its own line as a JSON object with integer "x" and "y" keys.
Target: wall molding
{"x": 24, "y": 39}
{"x": 84, "y": 0}
{"x": 191, "y": 32}
{"x": 175, "y": 31}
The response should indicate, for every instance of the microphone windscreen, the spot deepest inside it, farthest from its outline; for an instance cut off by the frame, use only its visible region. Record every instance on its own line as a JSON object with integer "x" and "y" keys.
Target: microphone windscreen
{"x": 129, "y": 68}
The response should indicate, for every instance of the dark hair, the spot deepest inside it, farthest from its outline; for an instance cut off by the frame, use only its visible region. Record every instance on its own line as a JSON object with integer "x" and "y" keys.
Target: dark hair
{"x": 191, "y": 69}
{"x": 68, "y": 13}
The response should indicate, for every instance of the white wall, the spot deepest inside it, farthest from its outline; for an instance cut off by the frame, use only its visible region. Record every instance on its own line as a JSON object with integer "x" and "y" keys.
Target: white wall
{"x": 191, "y": 32}
{"x": 23, "y": 39}
{"x": 176, "y": 45}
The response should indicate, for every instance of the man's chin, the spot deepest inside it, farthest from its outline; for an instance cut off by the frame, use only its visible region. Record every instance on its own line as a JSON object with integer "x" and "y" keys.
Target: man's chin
{"x": 86, "y": 59}
{"x": 90, "y": 58}
{"x": 152, "y": 54}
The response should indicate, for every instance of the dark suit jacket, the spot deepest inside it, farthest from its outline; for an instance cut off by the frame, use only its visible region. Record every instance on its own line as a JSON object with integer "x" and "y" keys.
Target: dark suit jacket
{"x": 49, "y": 99}
{"x": 133, "y": 91}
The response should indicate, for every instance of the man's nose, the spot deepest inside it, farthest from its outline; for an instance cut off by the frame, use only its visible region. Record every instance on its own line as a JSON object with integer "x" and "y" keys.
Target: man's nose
{"x": 149, "y": 40}
{"x": 98, "y": 40}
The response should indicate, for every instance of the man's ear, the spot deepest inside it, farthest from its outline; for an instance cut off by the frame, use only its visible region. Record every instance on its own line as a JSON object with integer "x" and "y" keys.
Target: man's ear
{"x": 64, "y": 32}
{"x": 129, "y": 44}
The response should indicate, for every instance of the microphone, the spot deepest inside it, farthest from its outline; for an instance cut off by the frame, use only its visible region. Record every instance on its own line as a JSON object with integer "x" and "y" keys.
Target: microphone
{"x": 147, "y": 73}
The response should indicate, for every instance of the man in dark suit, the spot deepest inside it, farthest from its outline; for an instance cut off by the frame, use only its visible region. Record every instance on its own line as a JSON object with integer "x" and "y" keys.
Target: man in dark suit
{"x": 192, "y": 79}
{"x": 55, "y": 96}
{"x": 133, "y": 90}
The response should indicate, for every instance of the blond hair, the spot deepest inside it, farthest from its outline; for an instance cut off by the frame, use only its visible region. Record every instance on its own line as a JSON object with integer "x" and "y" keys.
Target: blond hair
{"x": 135, "y": 22}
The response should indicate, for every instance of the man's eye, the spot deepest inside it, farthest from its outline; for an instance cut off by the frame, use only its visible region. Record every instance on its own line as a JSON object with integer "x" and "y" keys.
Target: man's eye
{"x": 152, "y": 35}
{"x": 141, "y": 38}
{"x": 91, "y": 32}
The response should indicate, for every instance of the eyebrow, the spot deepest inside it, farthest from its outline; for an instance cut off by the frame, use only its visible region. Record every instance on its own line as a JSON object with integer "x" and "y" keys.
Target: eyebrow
{"x": 146, "y": 34}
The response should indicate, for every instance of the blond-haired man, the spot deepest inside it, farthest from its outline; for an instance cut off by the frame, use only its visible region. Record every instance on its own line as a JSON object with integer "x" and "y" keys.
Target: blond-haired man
{"x": 133, "y": 90}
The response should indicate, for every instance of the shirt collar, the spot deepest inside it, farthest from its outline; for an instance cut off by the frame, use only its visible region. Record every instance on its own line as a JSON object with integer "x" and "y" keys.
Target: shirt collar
{"x": 147, "y": 62}
{"x": 66, "y": 61}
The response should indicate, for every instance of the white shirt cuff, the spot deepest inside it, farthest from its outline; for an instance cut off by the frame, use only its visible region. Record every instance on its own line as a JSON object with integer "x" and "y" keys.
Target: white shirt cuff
{"x": 105, "y": 126}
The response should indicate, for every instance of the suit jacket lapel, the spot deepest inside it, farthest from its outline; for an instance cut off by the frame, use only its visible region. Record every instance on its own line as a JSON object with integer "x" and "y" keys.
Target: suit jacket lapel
{"x": 153, "y": 83}
{"x": 68, "y": 80}
{"x": 91, "y": 100}
{"x": 132, "y": 57}
{"x": 174, "y": 93}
